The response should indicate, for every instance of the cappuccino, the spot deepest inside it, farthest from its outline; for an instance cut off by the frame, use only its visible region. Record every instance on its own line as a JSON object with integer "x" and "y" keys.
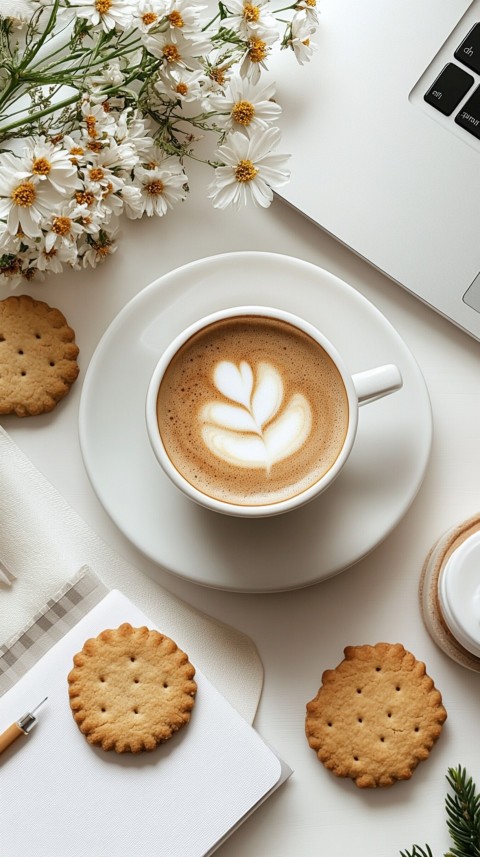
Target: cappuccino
{"x": 251, "y": 410}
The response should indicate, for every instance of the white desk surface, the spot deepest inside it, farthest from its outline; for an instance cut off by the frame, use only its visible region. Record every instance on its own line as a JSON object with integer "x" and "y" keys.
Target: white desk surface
{"x": 303, "y": 632}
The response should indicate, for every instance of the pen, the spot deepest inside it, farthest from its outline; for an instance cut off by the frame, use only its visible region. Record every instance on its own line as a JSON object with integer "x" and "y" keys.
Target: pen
{"x": 21, "y": 728}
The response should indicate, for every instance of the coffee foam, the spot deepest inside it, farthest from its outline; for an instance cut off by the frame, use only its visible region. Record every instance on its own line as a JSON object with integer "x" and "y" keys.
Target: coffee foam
{"x": 252, "y": 410}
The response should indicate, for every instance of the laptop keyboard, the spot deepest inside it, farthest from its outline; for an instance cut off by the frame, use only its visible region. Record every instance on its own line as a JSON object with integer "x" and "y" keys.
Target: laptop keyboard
{"x": 453, "y": 83}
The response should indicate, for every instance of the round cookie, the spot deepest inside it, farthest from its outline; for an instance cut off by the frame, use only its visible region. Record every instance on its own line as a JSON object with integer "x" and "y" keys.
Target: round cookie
{"x": 376, "y": 716}
{"x": 131, "y": 689}
{"x": 38, "y": 356}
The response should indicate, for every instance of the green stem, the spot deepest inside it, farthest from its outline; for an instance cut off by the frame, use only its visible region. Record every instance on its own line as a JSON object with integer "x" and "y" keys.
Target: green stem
{"x": 38, "y": 45}
{"x": 30, "y": 119}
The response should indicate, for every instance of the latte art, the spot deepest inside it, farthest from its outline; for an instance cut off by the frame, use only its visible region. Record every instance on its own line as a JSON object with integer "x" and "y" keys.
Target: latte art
{"x": 252, "y": 433}
{"x": 252, "y": 411}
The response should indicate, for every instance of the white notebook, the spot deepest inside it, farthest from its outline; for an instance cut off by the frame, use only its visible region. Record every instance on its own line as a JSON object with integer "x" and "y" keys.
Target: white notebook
{"x": 60, "y": 796}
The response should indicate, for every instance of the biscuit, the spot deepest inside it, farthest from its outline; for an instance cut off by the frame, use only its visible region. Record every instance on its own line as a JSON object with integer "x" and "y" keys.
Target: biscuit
{"x": 37, "y": 356}
{"x": 131, "y": 689}
{"x": 376, "y": 716}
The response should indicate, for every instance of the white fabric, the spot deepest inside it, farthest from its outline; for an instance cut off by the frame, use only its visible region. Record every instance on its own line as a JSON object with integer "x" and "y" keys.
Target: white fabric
{"x": 43, "y": 542}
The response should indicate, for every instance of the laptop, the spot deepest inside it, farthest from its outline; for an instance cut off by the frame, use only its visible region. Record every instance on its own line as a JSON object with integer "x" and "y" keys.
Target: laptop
{"x": 384, "y": 129}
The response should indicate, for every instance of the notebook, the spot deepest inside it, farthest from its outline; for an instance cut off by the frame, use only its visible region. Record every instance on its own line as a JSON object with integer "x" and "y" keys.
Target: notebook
{"x": 181, "y": 800}
{"x": 376, "y": 160}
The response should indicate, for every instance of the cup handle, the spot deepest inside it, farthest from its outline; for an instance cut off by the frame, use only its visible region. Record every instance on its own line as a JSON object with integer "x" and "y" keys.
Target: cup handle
{"x": 375, "y": 383}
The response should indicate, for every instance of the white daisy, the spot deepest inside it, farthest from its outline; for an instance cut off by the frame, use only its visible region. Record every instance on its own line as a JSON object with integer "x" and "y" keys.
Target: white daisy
{"x": 74, "y": 145}
{"x": 63, "y": 228}
{"x": 183, "y": 17}
{"x": 148, "y": 14}
{"x": 257, "y": 51}
{"x": 132, "y": 200}
{"x": 247, "y": 18}
{"x": 176, "y": 50}
{"x": 111, "y": 74}
{"x": 25, "y": 202}
{"x": 250, "y": 169}
{"x": 181, "y": 84}
{"x": 54, "y": 259}
{"x": 97, "y": 122}
{"x": 161, "y": 187}
{"x": 299, "y": 41}
{"x": 311, "y": 10}
{"x": 108, "y": 13}
{"x": 98, "y": 247}
{"x": 49, "y": 163}
{"x": 246, "y": 104}
{"x": 134, "y": 130}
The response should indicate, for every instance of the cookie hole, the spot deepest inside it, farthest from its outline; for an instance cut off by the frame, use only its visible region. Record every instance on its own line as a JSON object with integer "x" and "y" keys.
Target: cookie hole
{"x": 359, "y": 689}
{"x": 417, "y": 728}
{"x": 135, "y": 710}
{"x": 103, "y": 710}
{"x": 397, "y": 688}
{"x": 102, "y": 678}
{"x": 377, "y": 669}
{"x": 37, "y": 336}
{"x": 330, "y": 724}
{"x": 52, "y": 362}
{"x": 165, "y": 683}
{"x": 355, "y": 759}
{"x": 360, "y": 720}
{"x": 20, "y": 351}
{"x": 2, "y": 338}
{"x": 23, "y": 372}
{"x": 133, "y": 659}
{"x": 389, "y": 713}
{"x": 136, "y": 680}
{"x": 382, "y": 739}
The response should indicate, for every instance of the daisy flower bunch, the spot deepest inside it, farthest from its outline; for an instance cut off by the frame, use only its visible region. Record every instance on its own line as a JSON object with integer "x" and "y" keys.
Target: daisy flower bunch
{"x": 103, "y": 103}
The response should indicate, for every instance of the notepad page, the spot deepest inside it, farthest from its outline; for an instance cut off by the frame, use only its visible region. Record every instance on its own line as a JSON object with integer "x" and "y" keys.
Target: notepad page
{"x": 69, "y": 798}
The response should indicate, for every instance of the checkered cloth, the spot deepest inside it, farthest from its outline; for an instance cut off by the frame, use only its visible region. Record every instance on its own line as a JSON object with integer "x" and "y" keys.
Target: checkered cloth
{"x": 59, "y": 615}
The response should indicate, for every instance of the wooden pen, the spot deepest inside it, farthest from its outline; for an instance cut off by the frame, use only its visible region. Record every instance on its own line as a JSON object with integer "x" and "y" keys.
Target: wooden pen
{"x": 20, "y": 728}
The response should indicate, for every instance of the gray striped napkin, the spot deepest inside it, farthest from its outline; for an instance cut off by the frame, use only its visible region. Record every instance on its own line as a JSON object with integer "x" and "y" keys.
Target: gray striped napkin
{"x": 61, "y": 612}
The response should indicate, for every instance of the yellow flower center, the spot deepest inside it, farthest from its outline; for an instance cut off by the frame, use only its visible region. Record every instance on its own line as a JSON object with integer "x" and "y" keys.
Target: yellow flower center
{"x": 91, "y": 122}
{"x": 95, "y": 146}
{"x": 155, "y": 187}
{"x": 24, "y": 194}
{"x": 182, "y": 88}
{"x": 149, "y": 18}
{"x": 61, "y": 225}
{"x": 103, "y": 6}
{"x": 312, "y": 3}
{"x": 77, "y": 150}
{"x": 306, "y": 42}
{"x": 41, "y": 167}
{"x": 175, "y": 19}
{"x": 85, "y": 197}
{"x": 171, "y": 53}
{"x": 96, "y": 174}
{"x": 257, "y": 50}
{"x": 251, "y": 13}
{"x": 245, "y": 171}
{"x": 243, "y": 112}
{"x": 107, "y": 190}
{"x": 218, "y": 75}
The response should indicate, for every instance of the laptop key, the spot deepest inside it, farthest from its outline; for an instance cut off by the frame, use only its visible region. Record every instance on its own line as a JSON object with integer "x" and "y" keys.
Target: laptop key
{"x": 448, "y": 89}
{"x": 468, "y": 52}
{"x": 469, "y": 116}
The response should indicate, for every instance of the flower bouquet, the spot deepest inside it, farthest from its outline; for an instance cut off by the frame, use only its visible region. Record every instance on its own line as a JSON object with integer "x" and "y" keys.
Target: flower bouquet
{"x": 103, "y": 103}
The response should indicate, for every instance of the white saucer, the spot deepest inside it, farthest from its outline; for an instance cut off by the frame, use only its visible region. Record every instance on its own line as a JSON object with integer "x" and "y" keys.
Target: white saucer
{"x": 373, "y": 492}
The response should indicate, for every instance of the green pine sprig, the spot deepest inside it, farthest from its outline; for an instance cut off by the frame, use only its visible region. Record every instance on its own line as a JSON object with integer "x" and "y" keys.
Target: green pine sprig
{"x": 462, "y": 806}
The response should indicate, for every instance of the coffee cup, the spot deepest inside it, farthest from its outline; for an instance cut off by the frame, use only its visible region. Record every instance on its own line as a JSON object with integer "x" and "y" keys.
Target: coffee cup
{"x": 252, "y": 412}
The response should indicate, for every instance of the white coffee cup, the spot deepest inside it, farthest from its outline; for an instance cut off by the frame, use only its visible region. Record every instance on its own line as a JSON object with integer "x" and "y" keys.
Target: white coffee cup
{"x": 360, "y": 388}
